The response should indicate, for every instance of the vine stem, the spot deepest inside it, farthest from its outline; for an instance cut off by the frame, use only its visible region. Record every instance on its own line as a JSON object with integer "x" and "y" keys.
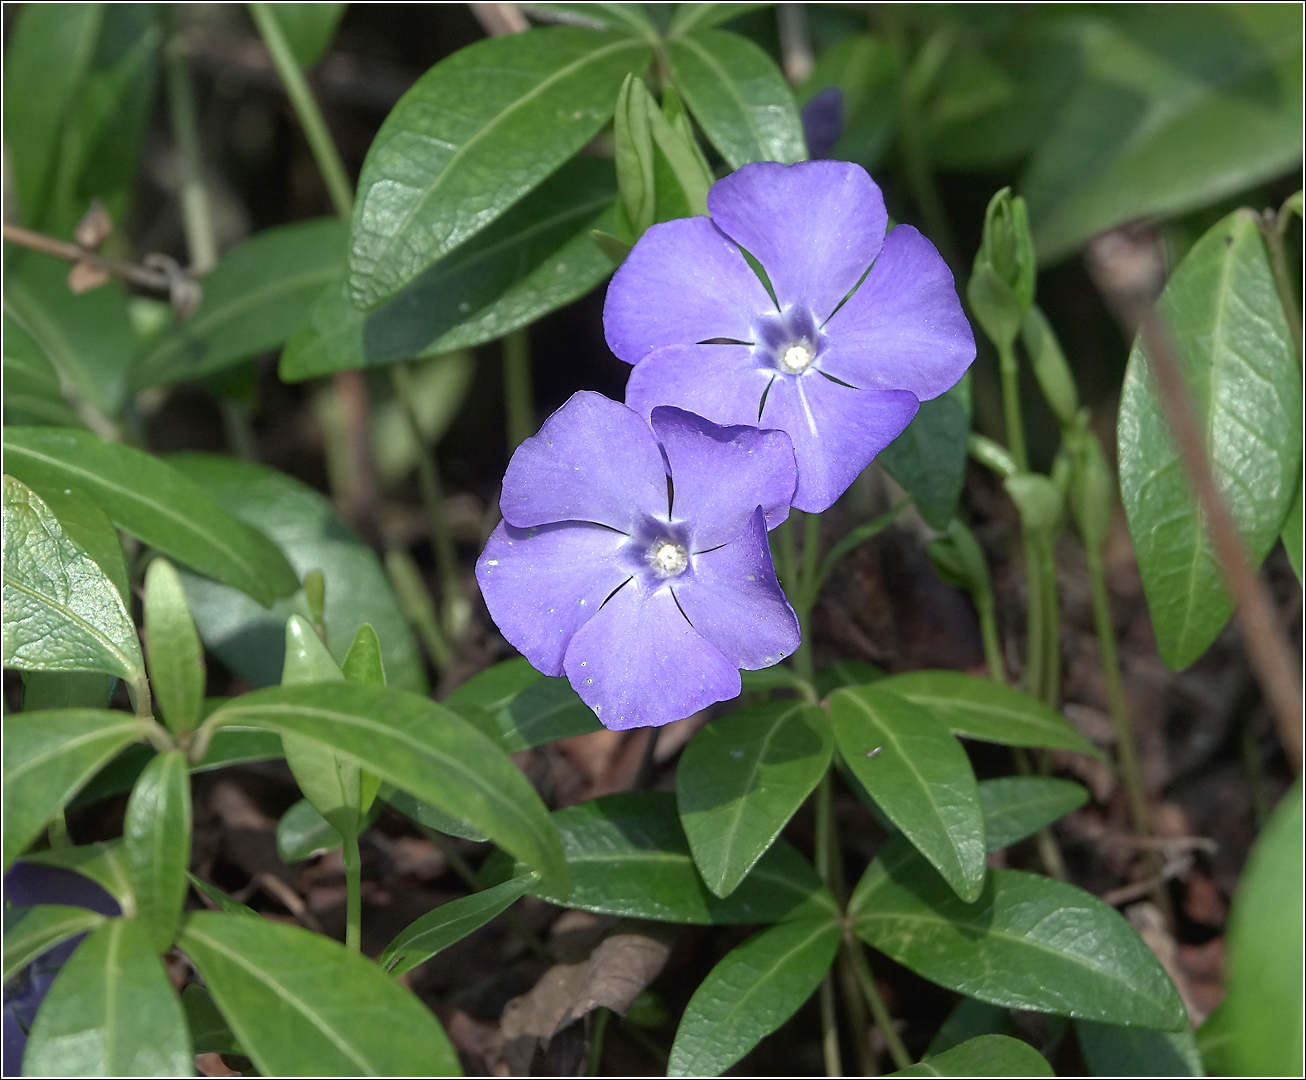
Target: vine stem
{"x": 353, "y": 892}
{"x": 892, "y": 1040}
{"x": 827, "y": 859}
{"x": 1010, "y": 372}
{"x": 196, "y": 213}
{"x": 1273, "y": 228}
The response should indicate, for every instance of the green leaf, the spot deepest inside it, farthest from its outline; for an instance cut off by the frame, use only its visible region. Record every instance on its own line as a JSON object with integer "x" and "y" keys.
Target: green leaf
{"x": 422, "y": 748}
{"x": 439, "y": 388}
{"x": 534, "y": 259}
{"x": 224, "y": 902}
{"x": 302, "y": 833}
{"x": 448, "y": 923}
{"x": 29, "y": 932}
{"x": 209, "y": 1033}
{"x": 176, "y": 660}
{"x": 981, "y": 709}
{"x": 919, "y": 776}
{"x": 61, "y": 613}
{"x": 303, "y": 1005}
{"x": 1028, "y": 942}
{"x": 102, "y": 862}
{"x": 155, "y": 503}
{"x": 1292, "y": 532}
{"x": 111, "y": 1012}
{"x": 1018, "y": 806}
{"x": 87, "y": 338}
{"x": 1115, "y": 1050}
{"x": 750, "y": 993}
{"x": 48, "y": 756}
{"x": 1232, "y": 342}
{"x": 967, "y": 1019}
{"x": 527, "y": 708}
{"x": 474, "y": 134}
{"x": 309, "y": 28}
{"x": 984, "y": 1055}
{"x": 33, "y": 394}
{"x": 89, "y": 528}
{"x": 254, "y": 299}
{"x": 742, "y": 778}
{"x": 1172, "y": 109}
{"x": 693, "y": 17}
{"x": 1263, "y": 1012}
{"x": 156, "y": 841}
{"x": 432, "y": 817}
{"x": 738, "y": 96}
{"x": 929, "y": 458}
{"x": 249, "y": 639}
{"x": 845, "y": 673}
{"x": 364, "y": 662}
{"x": 628, "y": 17}
{"x": 628, "y": 856}
{"x": 67, "y": 690}
{"x": 863, "y": 68}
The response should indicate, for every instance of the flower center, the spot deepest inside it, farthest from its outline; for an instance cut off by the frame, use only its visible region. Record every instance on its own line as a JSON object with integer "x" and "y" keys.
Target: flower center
{"x": 667, "y": 558}
{"x": 797, "y": 358}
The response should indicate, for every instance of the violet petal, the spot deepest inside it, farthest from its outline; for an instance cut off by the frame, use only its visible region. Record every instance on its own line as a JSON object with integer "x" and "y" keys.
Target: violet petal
{"x": 815, "y": 227}
{"x": 593, "y": 460}
{"x": 734, "y": 600}
{"x": 904, "y": 329}
{"x": 683, "y": 282}
{"x": 836, "y": 431}
{"x": 638, "y": 663}
{"x": 542, "y": 584}
{"x": 721, "y": 383}
{"x": 721, "y": 474}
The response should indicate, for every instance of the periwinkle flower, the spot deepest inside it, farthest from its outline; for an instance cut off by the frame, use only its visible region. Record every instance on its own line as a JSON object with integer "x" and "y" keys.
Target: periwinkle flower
{"x": 839, "y": 359}
{"x": 634, "y": 560}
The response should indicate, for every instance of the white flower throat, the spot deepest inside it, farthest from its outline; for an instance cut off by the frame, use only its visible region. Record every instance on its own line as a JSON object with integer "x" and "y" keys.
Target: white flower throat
{"x": 668, "y": 559}
{"x": 797, "y": 358}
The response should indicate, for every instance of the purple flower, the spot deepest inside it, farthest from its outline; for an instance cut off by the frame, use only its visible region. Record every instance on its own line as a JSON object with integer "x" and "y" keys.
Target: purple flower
{"x": 635, "y": 561}
{"x": 841, "y": 374}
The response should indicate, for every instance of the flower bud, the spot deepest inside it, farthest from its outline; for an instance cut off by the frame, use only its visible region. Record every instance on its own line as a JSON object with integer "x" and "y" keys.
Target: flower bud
{"x": 1039, "y": 500}
{"x": 634, "y": 155}
{"x": 958, "y": 559}
{"x": 1050, "y": 367}
{"x": 1001, "y": 287}
{"x": 1092, "y": 489}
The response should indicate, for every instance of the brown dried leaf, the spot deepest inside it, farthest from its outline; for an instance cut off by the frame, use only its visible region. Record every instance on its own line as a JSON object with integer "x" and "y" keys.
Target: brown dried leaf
{"x": 85, "y": 276}
{"x": 94, "y": 228}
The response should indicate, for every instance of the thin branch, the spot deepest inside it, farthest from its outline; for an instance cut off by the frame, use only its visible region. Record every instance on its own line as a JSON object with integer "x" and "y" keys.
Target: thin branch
{"x": 156, "y": 279}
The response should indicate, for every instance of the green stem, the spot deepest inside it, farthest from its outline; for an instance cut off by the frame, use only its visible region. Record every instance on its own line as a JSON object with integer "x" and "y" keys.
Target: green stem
{"x": 829, "y": 1029}
{"x": 879, "y": 1010}
{"x": 518, "y": 390}
{"x": 828, "y": 867}
{"x": 306, "y": 107}
{"x": 1051, "y": 623}
{"x": 353, "y": 893}
{"x": 1011, "y": 404}
{"x": 1035, "y": 635}
{"x": 1274, "y": 231}
{"x": 989, "y": 633}
{"x": 599, "y": 1030}
{"x": 418, "y": 608}
{"x": 196, "y": 214}
{"x": 59, "y": 830}
{"x": 1048, "y": 852}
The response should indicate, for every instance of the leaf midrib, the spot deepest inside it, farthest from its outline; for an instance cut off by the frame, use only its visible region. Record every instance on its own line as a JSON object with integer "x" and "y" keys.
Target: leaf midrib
{"x": 731, "y": 89}
{"x": 65, "y": 746}
{"x": 130, "y": 671}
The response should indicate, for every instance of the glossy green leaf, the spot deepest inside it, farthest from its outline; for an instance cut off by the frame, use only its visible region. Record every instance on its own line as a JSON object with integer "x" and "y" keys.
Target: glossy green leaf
{"x": 919, "y": 776}
{"x": 967, "y": 1019}
{"x": 156, "y": 842}
{"x": 303, "y": 833}
{"x": 473, "y": 135}
{"x": 1028, "y": 942}
{"x": 209, "y": 1033}
{"x": 692, "y": 17}
{"x": 846, "y": 673}
{"x": 111, "y": 1012}
{"x": 61, "y": 613}
{"x": 103, "y": 862}
{"x": 1018, "y": 806}
{"x": 527, "y": 708}
{"x": 750, "y": 993}
{"x": 742, "y": 778}
{"x": 303, "y": 1005}
{"x": 1292, "y": 532}
{"x": 433, "y": 817}
{"x": 534, "y": 259}
{"x": 364, "y": 662}
{"x": 422, "y": 748}
{"x": 764, "y": 680}
{"x": 628, "y": 856}
{"x": 155, "y": 503}
{"x": 88, "y": 338}
{"x": 1114, "y": 1050}
{"x": 1171, "y": 109}
{"x": 1264, "y": 973}
{"x": 29, "y": 932}
{"x": 929, "y": 458}
{"x": 254, "y": 299}
{"x": 1232, "y": 342}
{"x": 249, "y": 639}
{"x": 33, "y": 394}
{"x": 308, "y": 28}
{"x": 976, "y": 708}
{"x": 738, "y": 96}
{"x": 984, "y": 1055}
{"x": 176, "y": 661}
{"x": 89, "y": 528}
{"x": 448, "y": 923}
{"x": 48, "y": 756}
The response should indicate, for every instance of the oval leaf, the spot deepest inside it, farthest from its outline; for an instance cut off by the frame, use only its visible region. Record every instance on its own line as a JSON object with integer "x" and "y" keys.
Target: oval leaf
{"x": 1018, "y": 806}
{"x": 984, "y": 1055}
{"x": 742, "y": 778}
{"x": 156, "y": 842}
{"x": 750, "y": 993}
{"x": 111, "y": 1012}
{"x": 1028, "y": 942}
{"x": 919, "y": 776}
{"x": 475, "y": 134}
{"x": 1232, "y": 341}
{"x": 421, "y": 748}
{"x": 153, "y": 502}
{"x": 175, "y": 657}
{"x": 527, "y": 708}
{"x": 1112, "y": 1050}
{"x": 29, "y": 932}
{"x": 300, "y": 1004}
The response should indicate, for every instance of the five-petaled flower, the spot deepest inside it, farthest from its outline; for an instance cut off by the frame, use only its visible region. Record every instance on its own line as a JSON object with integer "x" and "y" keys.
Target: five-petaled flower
{"x": 837, "y": 362}
{"x": 636, "y": 562}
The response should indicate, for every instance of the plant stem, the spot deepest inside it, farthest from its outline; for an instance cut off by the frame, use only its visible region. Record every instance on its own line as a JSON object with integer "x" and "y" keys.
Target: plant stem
{"x": 1273, "y": 228}
{"x": 353, "y": 893}
{"x": 418, "y": 608}
{"x": 602, "y": 1017}
{"x": 196, "y": 214}
{"x": 306, "y": 107}
{"x": 1036, "y": 636}
{"x": 992, "y": 643}
{"x": 879, "y": 1011}
{"x": 1051, "y": 623}
{"x": 1010, "y": 372}
{"x": 829, "y": 1029}
{"x": 827, "y": 863}
{"x": 518, "y": 389}
{"x": 1048, "y": 852}
{"x": 59, "y": 830}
